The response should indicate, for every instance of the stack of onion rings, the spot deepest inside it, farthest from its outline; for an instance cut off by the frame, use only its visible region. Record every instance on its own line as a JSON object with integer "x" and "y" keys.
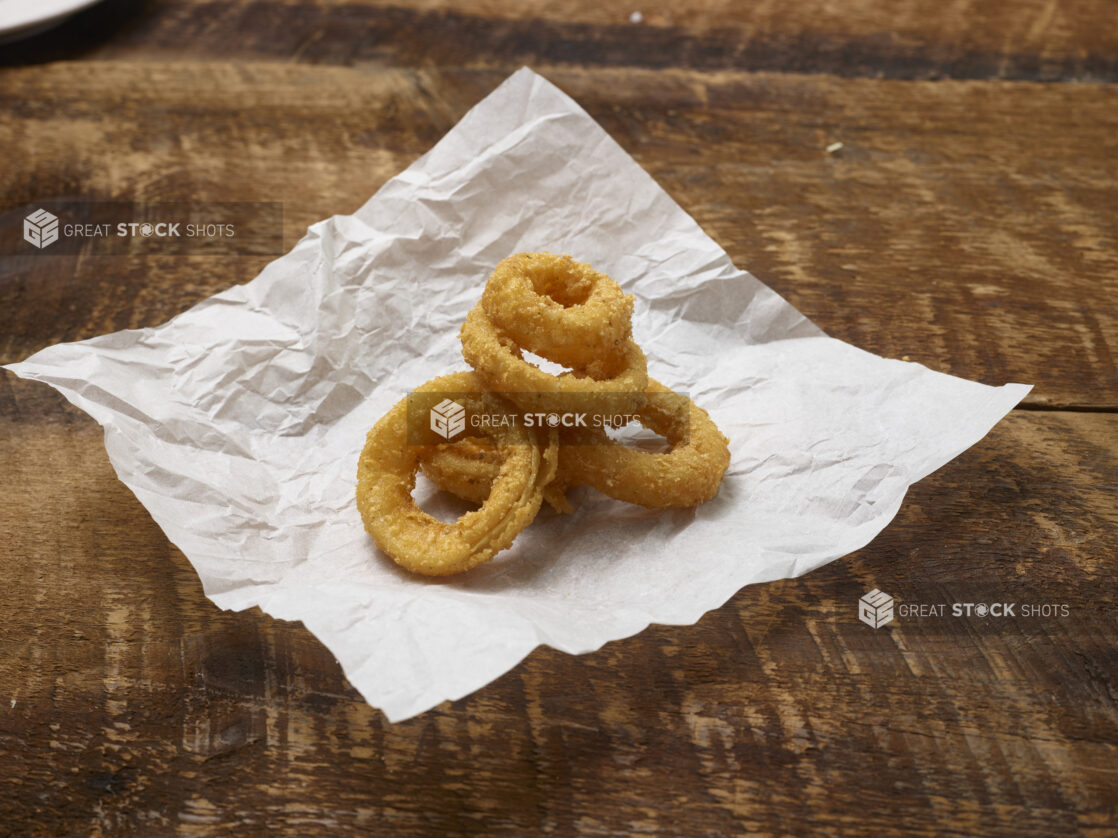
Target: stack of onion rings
{"x": 572, "y": 315}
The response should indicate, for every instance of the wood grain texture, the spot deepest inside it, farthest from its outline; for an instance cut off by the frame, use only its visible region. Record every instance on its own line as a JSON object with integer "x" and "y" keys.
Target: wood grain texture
{"x": 969, "y": 223}
{"x": 986, "y": 248}
{"x": 130, "y": 703}
{"x": 1040, "y": 40}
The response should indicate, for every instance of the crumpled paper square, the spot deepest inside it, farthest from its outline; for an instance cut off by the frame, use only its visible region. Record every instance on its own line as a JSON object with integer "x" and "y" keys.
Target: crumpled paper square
{"x": 238, "y": 424}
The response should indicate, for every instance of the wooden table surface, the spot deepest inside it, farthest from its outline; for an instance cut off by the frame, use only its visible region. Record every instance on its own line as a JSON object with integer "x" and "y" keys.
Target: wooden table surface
{"x": 969, "y": 222}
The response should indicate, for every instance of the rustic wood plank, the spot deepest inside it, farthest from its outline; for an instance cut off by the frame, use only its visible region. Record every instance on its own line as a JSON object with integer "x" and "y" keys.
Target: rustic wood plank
{"x": 981, "y": 247}
{"x": 128, "y": 702}
{"x": 1040, "y": 40}
{"x": 970, "y": 226}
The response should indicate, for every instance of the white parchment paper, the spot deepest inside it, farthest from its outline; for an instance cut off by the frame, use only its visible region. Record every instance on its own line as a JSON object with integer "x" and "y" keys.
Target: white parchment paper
{"x": 238, "y": 424}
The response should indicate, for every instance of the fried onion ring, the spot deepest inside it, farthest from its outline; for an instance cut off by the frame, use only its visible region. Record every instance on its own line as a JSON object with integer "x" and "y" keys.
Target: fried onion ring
{"x": 687, "y": 475}
{"x": 616, "y": 382}
{"x": 467, "y": 468}
{"x": 558, "y": 308}
{"x": 423, "y": 544}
